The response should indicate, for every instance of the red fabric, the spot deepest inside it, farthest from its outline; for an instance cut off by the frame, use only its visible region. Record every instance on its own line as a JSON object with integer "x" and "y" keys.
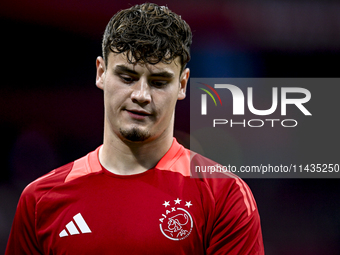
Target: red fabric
{"x": 160, "y": 211}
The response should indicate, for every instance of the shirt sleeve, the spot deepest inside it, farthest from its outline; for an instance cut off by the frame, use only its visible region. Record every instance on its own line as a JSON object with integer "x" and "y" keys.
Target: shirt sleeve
{"x": 236, "y": 229}
{"x": 22, "y": 239}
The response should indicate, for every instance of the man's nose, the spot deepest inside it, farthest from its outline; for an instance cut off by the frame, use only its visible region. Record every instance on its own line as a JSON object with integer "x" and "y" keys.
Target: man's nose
{"x": 141, "y": 92}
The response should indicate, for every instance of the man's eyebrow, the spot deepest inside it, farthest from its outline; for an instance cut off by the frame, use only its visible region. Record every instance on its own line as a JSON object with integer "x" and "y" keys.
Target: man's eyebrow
{"x": 124, "y": 69}
{"x": 163, "y": 74}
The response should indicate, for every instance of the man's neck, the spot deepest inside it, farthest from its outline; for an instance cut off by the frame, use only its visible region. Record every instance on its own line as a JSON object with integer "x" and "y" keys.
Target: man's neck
{"x": 128, "y": 158}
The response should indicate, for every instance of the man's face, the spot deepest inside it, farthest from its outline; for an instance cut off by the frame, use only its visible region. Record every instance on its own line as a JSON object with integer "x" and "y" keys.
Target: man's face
{"x": 140, "y": 99}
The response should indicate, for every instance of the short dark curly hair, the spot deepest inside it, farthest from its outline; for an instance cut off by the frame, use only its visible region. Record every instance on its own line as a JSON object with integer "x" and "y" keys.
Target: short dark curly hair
{"x": 148, "y": 33}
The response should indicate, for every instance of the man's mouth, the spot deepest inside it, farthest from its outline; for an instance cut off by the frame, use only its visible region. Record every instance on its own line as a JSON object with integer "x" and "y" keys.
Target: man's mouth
{"x": 138, "y": 114}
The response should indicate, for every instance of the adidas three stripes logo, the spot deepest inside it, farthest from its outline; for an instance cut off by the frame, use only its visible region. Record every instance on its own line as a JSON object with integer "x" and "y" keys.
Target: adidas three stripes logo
{"x": 72, "y": 227}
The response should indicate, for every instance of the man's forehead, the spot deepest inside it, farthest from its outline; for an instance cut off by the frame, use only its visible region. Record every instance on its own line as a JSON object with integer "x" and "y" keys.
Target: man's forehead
{"x": 120, "y": 59}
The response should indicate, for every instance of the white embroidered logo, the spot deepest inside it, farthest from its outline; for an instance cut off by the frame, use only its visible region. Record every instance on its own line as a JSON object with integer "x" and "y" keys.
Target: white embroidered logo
{"x": 72, "y": 228}
{"x": 176, "y": 223}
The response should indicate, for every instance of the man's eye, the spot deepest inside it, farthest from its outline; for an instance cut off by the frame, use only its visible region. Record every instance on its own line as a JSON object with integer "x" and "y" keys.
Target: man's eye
{"x": 126, "y": 79}
{"x": 159, "y": 83}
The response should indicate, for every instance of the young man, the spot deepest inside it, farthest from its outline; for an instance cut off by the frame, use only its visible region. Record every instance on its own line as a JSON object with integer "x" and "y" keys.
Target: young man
{"x": 135, "y": 194}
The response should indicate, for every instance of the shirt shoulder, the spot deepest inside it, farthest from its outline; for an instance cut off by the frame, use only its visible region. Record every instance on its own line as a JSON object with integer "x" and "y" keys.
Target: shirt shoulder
{"x": 61, "y": 175}
{"x": 223, "y": 183}
{"x": 40, "y": 186}
{"x": 236, "y": 218}
{"x": 220, "y": 185}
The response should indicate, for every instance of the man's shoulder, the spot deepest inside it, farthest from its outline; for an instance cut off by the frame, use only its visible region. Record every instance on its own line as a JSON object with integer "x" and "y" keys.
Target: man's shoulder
{"x": 46, "y": 182}
{"x": 189, "y": 163}
{"x": 210, "y": 174}
{"x": 203, "y": 167}
{"x": 214, "y": 175}
{"x": 68, "y": 172}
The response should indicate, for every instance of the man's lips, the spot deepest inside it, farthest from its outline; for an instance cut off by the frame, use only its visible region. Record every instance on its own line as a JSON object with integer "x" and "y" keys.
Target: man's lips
{"x": 138, "y": 114}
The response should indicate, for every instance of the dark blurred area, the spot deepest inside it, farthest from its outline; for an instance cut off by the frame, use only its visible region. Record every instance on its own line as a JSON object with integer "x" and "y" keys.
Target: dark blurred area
{"x": 52, "y": 113}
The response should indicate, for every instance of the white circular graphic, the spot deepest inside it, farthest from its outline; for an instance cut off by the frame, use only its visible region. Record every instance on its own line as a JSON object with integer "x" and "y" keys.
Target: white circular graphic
{"x": 176, "y": 224}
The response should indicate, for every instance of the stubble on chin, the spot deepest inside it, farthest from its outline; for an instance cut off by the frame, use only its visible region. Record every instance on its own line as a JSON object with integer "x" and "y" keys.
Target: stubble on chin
{"x": 134, "y": 134}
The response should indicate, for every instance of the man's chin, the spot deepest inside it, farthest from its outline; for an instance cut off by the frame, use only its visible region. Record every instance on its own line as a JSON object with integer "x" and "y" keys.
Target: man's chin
{"x": 135, "y": 134}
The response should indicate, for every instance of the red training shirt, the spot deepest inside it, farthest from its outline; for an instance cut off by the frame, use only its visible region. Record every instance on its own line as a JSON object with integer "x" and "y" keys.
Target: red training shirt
{"x": 82, "y": 208}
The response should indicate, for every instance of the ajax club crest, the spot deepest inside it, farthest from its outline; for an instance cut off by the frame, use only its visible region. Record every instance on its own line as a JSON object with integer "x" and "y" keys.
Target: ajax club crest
{"x": 176, "y": 222}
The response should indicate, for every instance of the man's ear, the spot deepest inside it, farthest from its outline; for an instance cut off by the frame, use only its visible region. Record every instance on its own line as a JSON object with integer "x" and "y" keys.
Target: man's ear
{"x": 183, "y": 83}
{"x": 100, "y": 64}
